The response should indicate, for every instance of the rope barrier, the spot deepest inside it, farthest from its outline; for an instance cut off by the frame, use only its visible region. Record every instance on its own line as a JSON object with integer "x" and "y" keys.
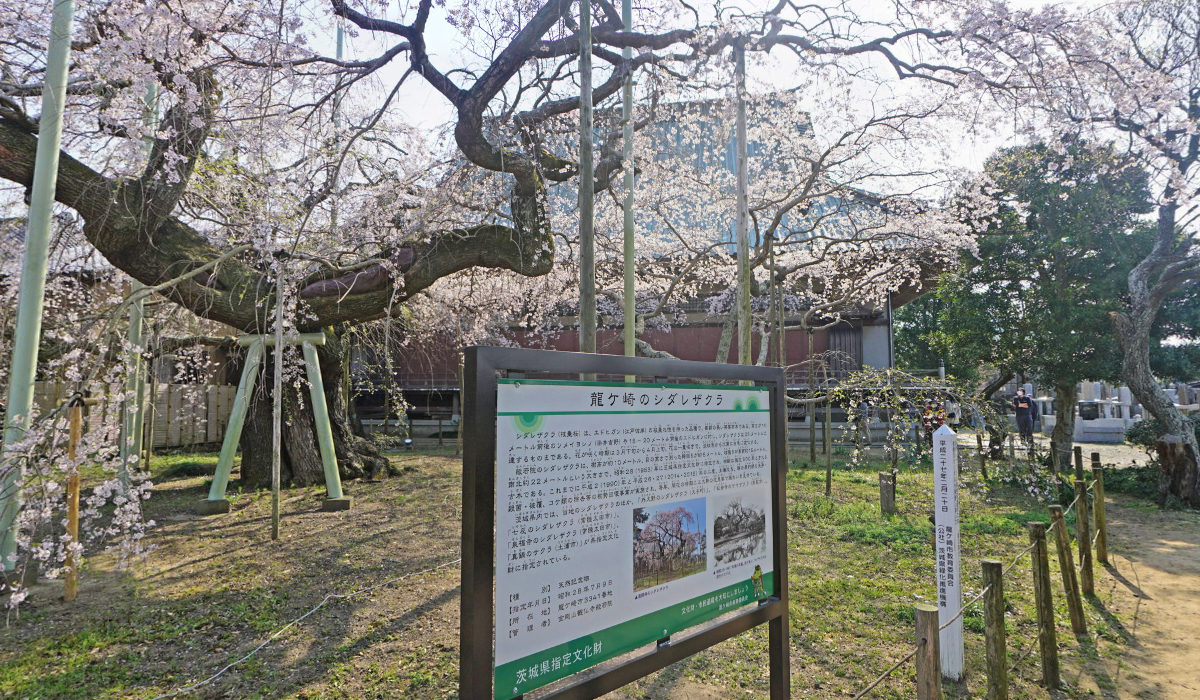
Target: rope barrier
{"x": 889, "y": 672}
{"x": 281, "y": 630}
{"x": 1017, "y": 560}
{"x": 964, "y": 607}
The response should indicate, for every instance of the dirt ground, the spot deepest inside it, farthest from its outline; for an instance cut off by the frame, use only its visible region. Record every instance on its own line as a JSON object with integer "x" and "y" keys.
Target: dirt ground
{"x": 1155, "y": 572}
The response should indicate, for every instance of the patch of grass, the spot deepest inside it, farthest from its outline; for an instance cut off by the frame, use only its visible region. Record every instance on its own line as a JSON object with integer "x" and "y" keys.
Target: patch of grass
{"x": 217, "y": 587}
{"x": 895, "y": 536}
{"x": 183, "y": 465}
{"x": 1141, "y": 481}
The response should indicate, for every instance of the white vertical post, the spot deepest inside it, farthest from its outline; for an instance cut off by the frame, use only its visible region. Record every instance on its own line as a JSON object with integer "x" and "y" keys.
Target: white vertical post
{"x": 949, "y": 565}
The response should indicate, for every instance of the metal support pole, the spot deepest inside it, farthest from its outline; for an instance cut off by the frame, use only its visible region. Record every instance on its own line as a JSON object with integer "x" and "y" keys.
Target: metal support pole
{"x": 216, "y": 502}
{"x": 627, "y": 161}
{"x": 587, "y": 233}
{"x": 334, "y": 499}
{"x": 277, "y": 402}
{"x": 745, "y": 320}
{"x": 134, "y": 423}
{"x": 32, "y": 291}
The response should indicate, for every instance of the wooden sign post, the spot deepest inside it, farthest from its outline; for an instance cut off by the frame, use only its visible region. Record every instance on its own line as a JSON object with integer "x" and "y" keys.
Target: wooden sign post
{"x": 949, "y": 566}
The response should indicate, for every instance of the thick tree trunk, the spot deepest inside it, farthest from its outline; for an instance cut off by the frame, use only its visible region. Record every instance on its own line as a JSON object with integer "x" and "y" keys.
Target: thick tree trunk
{"x": 300, "y": 463}
{"x": 1158, "y": 275}
{"x": 301, "y": 460}
{"x": 1062, "y": 438}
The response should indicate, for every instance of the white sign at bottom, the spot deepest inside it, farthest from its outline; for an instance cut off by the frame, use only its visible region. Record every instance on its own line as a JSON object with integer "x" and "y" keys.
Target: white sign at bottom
{"x": 949, "y": 563}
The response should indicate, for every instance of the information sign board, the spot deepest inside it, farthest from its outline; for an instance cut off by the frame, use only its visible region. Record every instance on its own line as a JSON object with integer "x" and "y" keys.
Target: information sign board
{"x": 624, "y": 513}
{"x": 949, "y": 562}
{"x": 601, "y": 517}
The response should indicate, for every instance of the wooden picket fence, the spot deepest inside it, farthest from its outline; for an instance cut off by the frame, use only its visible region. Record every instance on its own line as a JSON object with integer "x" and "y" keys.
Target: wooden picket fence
{"x": 181, "y": 415}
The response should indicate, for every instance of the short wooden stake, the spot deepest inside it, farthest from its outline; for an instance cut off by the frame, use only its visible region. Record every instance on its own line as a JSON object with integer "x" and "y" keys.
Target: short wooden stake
{"x": 1012, "y": 447}
{"x": 982, "y": 454}
{"x": 993, "y": 630}
{"x": 1101, "y": 518}
{"x": 1083, "y": 533}
{"x": 887, "y": 493}
{"x": 1043, "y": 601}
{"x": 1066, "y": 564}
{"x": 929, "y": 673}
{"x": 75, "y": 432}
{"x": 1078, "y": 462}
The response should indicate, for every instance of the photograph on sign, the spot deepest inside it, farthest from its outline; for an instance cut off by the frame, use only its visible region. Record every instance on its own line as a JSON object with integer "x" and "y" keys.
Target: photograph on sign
{"x": 624, "y": 513}
{"x": 739, "y": 526}
{"x": 668, "y": 542}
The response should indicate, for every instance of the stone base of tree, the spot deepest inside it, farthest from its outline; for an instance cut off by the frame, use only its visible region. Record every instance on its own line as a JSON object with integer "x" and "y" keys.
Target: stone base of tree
{"x": 332, "y": 505}
{"x": 207, "y": 507}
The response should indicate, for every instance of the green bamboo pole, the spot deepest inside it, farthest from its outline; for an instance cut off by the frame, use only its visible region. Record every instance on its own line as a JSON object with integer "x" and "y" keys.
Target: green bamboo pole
{"x": 627, "y": 159}
{"x": 316, "y": 388}
{"x": 135, "y": 388}
{"x": 32, "y": 291}
{"x": 233, "y": 431}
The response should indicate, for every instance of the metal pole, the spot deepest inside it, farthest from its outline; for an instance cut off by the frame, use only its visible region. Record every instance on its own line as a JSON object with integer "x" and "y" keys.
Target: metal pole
{"x": 277, "y": 405}
{"x": 743, "y": 214}
{"x": 135, "y": 380}
{"x": 627, "y": 159}
{"x": 587, "y": 241}
{"x": 32, "y": 290}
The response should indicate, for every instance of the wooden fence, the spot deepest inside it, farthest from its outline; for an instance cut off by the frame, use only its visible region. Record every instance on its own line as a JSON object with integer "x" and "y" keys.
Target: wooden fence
{"x": 181, "y": 415}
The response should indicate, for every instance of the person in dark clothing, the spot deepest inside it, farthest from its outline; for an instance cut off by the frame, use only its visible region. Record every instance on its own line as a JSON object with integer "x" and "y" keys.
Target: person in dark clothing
{"x": 1026, "y": 409}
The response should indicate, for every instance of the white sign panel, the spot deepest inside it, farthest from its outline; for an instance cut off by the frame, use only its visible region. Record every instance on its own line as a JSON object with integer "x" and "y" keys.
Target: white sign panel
{"x": 624, "y": 513}
{"x": 949, "y": 563}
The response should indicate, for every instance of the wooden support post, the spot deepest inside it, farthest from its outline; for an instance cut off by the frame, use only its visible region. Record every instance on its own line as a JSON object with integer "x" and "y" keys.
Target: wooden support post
{"x": 982, "y": 454}
{"x": 1066, "y": 563}
{"x": 1012, "y": 447}
{"x": 439, "y": 431}
{"x": 1083, "y": 533}
{"x": 928, "y": 659}
{"x": 993, "y": 630}
{"x": 75, "y": 432}
{"x": 887, "y": 493}
{"x": 1101, "y": 518}
{"x": 1078, "y": 462}
{"x": 1043, "y": 601}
